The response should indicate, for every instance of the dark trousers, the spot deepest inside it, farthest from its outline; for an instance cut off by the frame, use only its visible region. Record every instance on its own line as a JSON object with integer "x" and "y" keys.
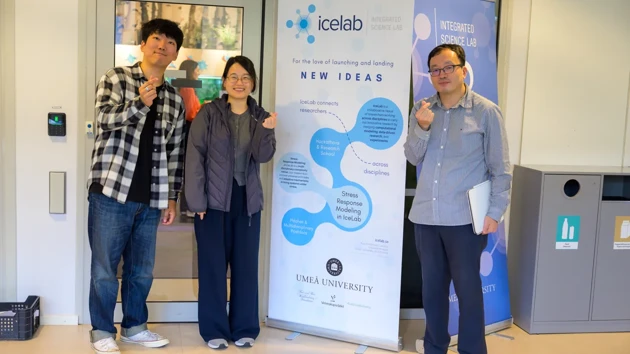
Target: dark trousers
{"x": 452, "y": 253}
{"x": 228, "y": 238}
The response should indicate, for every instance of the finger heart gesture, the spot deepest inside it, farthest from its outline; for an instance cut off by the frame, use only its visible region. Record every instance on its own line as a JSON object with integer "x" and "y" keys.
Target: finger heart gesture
{"x": 270, "y": 122}
{"x": 424, "y": 116}
{"x": 147, "y": 91}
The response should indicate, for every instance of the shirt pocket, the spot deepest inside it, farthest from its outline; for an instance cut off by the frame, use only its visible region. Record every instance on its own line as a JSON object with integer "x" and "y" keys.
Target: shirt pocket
{"x": 465, "y": 137}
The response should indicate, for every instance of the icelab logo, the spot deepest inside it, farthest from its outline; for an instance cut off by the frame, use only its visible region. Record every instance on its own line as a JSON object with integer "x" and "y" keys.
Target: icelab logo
{"x": 303, "y": 25}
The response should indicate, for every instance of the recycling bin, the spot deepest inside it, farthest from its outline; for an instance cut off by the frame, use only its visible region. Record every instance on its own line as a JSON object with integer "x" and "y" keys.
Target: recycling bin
{"x": 611, "y": 293}
{"x": 564, "y": 274}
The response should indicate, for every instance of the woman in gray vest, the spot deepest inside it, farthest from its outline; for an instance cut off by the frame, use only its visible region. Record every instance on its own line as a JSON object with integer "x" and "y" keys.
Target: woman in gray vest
{"x": 229, "y": 139}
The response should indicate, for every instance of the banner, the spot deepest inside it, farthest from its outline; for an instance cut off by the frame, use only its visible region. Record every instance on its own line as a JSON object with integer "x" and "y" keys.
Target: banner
{"x": 471, "y": 24}
{"x": 339, "y": 169}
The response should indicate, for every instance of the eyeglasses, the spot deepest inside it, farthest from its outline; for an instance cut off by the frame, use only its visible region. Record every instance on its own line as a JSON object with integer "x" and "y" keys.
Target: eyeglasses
{"x": 447, "y": 70}
{"x": 245, "y": 79}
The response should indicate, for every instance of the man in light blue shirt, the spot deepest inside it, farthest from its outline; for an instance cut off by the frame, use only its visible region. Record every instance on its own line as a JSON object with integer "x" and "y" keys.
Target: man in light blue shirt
{"x": 460, "y": 139}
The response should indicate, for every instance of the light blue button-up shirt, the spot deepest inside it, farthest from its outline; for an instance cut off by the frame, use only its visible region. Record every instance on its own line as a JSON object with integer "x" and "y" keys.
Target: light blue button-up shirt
{"x": 465, "y": 145}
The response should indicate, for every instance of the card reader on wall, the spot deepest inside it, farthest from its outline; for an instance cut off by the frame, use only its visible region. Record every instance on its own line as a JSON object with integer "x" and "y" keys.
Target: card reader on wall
{"x": 56, "y": 124}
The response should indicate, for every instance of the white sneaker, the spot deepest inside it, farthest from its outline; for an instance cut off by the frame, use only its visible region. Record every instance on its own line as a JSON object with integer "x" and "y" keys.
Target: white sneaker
{"x": 106, "y": 346}
{"x": 147, "y": 339}
{"x": 420, "y": 346}
{"x": 219, "y": 344}
{"x": 245, "y": 342}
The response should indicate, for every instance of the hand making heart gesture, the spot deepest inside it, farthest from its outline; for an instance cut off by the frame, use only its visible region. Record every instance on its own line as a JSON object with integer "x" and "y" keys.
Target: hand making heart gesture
{"x": 424, "y": 116}
{"x": 270, "y": 122}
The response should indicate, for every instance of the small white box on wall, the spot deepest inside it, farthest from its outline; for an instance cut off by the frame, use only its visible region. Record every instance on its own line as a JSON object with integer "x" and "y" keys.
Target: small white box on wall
{"x": 56, "y": 192}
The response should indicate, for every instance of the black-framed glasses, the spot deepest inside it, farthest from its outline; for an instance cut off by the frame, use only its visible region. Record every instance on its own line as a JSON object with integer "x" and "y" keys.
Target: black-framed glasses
{"x": 447, "y": 70}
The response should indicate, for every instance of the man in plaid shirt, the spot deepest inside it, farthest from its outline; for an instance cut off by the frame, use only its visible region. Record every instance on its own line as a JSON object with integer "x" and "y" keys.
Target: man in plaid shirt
{"x": 137, "y": 171}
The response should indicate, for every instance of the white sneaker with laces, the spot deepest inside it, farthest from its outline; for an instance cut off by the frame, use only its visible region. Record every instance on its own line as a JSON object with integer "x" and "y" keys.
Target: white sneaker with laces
{"x": 106, "y": 346}
{"x": 146, "y": 339}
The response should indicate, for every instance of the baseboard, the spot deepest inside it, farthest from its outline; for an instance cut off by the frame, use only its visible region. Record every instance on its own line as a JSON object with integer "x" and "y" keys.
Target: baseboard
{"x": 60, "y": 320}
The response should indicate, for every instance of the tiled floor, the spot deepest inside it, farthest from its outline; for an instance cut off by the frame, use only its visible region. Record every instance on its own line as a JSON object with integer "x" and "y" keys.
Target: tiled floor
{"x": 185, "y": 340}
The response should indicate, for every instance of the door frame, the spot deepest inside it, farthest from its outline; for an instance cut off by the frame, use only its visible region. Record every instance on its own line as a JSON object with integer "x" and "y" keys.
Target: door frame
{"x": 8, "y": 221}
{"x": 91, "y": 67}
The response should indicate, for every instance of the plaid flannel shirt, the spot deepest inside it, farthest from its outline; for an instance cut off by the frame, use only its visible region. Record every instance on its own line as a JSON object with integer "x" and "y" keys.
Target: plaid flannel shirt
{"x": 120, "y": 117}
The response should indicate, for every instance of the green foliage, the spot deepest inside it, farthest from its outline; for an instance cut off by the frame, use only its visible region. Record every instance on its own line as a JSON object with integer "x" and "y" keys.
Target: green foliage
{"x": 210, "y": 89}
{"x": 227, "y": 36}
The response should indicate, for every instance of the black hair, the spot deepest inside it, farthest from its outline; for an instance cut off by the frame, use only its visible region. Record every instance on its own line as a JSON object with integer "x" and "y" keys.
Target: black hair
{"x": 457, "y": 49}
{"x": 189, "y": 66}
{"x": 166, "y": 27}
{"x": 246, "y": 64}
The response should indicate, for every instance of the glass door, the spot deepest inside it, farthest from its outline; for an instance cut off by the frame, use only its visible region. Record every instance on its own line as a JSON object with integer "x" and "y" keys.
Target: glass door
{"x": 214, "y": 31}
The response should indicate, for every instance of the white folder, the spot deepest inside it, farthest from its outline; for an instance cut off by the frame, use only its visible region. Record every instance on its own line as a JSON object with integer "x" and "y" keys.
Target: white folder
{"x": 479, "y": 201}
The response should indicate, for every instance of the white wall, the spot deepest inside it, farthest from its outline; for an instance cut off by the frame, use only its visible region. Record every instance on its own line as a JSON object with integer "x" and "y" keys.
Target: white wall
{"x": 47, "y": 75}
{"x": 575, "y": 100}
{"x": 512, "y": 69}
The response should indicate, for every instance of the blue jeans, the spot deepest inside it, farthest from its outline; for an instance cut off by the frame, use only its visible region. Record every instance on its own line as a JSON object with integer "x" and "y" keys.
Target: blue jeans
{"x": 452, "y": 253}
{"x": 118, "y": 230}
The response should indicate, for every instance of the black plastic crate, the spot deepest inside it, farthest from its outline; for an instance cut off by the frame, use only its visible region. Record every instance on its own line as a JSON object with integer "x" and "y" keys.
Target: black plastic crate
{"x": 19, "y": 320}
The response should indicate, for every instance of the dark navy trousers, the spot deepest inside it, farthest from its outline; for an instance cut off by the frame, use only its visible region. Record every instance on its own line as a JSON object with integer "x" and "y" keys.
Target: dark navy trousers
{"x": 228, "y": 238}
{"x": 452, "y": 253}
